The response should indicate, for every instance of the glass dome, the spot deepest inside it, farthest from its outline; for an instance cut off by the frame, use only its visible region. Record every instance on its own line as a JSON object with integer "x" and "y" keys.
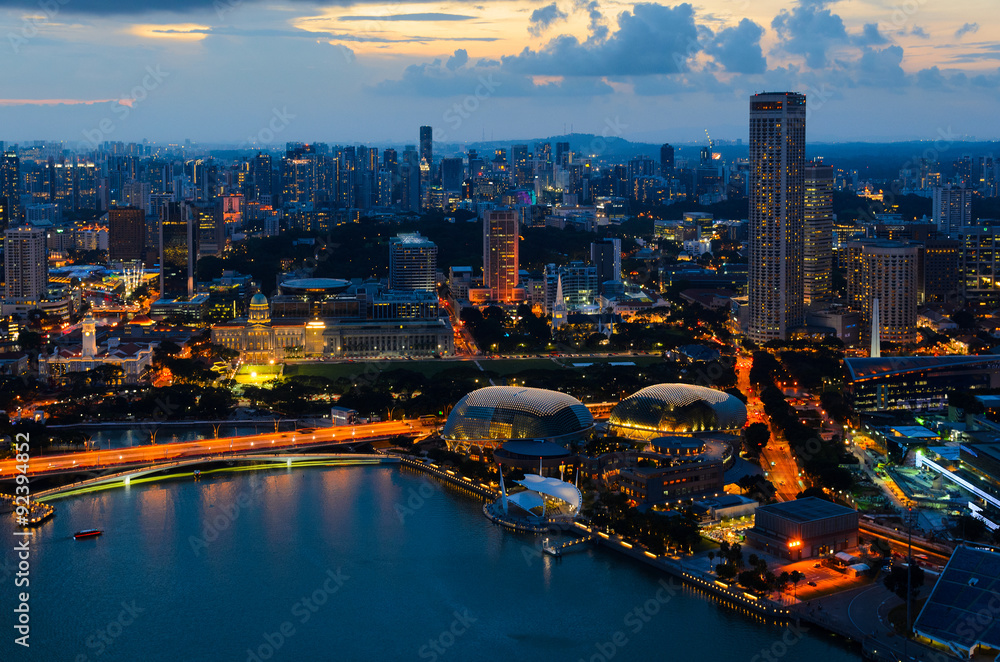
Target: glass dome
{"x": 667, "y": 409}
{"x": 501, "y": 413}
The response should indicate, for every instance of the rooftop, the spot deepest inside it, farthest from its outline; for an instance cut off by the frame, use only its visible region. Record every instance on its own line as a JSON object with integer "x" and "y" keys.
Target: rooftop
{"x": 809, "y": 509}
{"x": 966, "y": 590}
{"x": 868, "y": 368}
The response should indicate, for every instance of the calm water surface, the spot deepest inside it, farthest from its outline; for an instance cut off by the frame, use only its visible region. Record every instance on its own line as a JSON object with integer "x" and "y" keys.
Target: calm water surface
{"x": 350, "y": 563}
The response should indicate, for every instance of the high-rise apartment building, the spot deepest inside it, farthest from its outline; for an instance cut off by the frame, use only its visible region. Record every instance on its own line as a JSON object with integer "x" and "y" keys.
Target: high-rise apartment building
{"x": 980, "y": 264}
{"x": 817, "y": 244}
{"x": 887, "y": 271}
{"x": 26, "y": 264}
{"x": 178, "y": 252}
{"x": 126, "y": 233}
{"x": 412, "y": 262}
{"x": 10, "y": 188}
{"x": 777, "y": 187}
{"x": 952, "y": 208}
{"x": 500, "y": 253}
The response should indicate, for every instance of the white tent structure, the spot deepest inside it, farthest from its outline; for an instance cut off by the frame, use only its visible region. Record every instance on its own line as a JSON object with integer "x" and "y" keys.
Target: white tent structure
{"x": 555, "y": 488}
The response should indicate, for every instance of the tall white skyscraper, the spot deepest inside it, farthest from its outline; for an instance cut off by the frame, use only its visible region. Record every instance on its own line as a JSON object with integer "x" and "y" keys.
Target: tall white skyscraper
{"x": 26, "y": 264}
{"x": 777, "y": 185}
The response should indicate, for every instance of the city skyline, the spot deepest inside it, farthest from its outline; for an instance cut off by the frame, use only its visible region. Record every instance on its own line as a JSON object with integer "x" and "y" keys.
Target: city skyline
{"x": 305, "y": 72}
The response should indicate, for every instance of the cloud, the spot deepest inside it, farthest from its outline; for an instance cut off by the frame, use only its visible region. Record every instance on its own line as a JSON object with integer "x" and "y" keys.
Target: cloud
{"x": 918, "y": 31}
{"x": 410, "y": 17}
{"x": 870, "y": 36}
{"x": 56, "y": 102}
{"x": 651, "y": 39}
{"x": 968, "y": 28}
{"x": 881, "y": 68}
{"x": 598, "y": 31}
{"x": 544, "y": 17}
{"x": 810, "y": 30}
{"x": 458, "y": 60}
{"x": 309, "y": 34}
{"x": 437, "y": 79}
{"x": 737, "y": 49}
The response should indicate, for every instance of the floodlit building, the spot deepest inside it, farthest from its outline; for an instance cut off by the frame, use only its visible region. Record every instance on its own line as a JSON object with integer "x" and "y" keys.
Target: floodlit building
{"x": 500, "y": 254}
{"x": 777, "y": 186}
{"x": 804, "y": 529}
{"x": 412, "y": 262}
{"x": 675, "y": 409}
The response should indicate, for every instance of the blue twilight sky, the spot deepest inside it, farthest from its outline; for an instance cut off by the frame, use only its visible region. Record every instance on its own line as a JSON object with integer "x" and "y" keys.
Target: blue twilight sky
{"x": 371, "y": 71}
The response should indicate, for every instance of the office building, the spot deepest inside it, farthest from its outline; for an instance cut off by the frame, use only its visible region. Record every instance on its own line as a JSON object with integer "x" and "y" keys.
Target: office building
{"x": 500, "y": 254}
{"x": 666, "y": 160}
{"x": 952, "y": 208}
{"x": 942, "y": 280}
{"x": 915, "y": 382}
{"x": 178, "y": 241}
{"x": 427, "y": 144}
{"x": 126, "y": 233}
{"x": 452, "y": 174}
{"x": 412, "y": 262}
{"x": 777, "y": 170}
{"x": 26, "y": 264}
{"x": 606, "y": 256}
{"x": 817, "y": 252}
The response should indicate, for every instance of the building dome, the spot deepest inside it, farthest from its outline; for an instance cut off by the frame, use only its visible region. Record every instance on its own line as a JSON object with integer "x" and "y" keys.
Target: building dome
{"x": 493, "y": 415}
{"x": 260, "y": 311}
{"x": 667, "y": 409}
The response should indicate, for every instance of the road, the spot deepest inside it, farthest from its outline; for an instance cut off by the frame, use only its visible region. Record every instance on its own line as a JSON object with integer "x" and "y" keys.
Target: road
{"x": 776, "y": 458}
{"x": 87, "y": 460}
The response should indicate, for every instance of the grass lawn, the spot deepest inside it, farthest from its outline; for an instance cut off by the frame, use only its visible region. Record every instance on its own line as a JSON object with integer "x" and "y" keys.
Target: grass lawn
{"x": 431, "y": 367}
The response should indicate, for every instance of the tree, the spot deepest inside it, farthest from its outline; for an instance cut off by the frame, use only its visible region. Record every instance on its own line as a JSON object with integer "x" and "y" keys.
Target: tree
{"x": 725, "y": 571}
{"x": 896, "y": 580}
{"x": 746, "y": 482}
{"x": 795, "y": 577}
{"x": 756, "y": 437}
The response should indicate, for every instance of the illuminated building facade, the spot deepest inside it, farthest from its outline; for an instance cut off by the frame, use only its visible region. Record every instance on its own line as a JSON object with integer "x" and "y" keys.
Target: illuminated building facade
{"x": 500, "y": 254}
{"x": 777, "y": 185}
{"x": 804, "y": 529}
{"x": 26, "y": 264}
{"x": 178, "y": 252}
{"x": 412, "y": 262}
{"x": 817, "y": 253}
{"x": 126, "y": 233}
{"x": 887, "y": 271}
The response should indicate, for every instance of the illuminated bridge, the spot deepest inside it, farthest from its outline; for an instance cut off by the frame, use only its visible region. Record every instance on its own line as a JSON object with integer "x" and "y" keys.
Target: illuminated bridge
{"x": 102, "y": 461}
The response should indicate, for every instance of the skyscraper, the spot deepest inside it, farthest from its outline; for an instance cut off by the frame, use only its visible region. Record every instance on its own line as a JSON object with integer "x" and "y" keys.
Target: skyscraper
{"x": 777, "y": 164}
{"x": 666, "y": 160}
{"x": 500, "y": 253}
{"x": 26, "y": 264}
{"x": 427, "y": 144}
{"x": 126, "y": 233}
{"x": 817, "y": 253}
{"x": 452, "y": 174}
{"x": 261, "y": 174}
{"x": 952, "y": 208}
{"x": 178, "y": 252}
{"x": 412, "y": 262}
{"x": 10, "y": 188}
{"x": 886, "y": 271}
{"x": 606, "y": 256}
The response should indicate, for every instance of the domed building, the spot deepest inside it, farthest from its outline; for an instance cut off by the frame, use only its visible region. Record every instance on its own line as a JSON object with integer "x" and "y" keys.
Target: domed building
{"x": 489, "y": 417}
{"x": 675, "y": 409}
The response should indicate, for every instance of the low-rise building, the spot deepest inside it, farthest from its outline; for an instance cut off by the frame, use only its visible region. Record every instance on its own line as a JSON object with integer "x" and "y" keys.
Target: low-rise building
{"x": 804, "y": 528}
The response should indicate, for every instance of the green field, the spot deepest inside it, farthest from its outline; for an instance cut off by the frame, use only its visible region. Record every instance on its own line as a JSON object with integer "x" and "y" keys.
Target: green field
{"x": 431, "y": 367}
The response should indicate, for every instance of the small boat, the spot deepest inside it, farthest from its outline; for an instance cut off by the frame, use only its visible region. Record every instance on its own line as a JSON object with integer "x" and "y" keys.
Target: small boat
{"x": 87, "y": 533}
